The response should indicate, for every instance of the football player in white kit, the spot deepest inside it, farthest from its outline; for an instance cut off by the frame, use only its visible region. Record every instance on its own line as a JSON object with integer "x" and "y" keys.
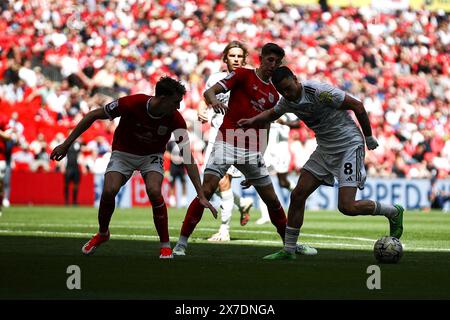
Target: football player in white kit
{"x": 234, "y": 55}
{"x": 339, "y": 154}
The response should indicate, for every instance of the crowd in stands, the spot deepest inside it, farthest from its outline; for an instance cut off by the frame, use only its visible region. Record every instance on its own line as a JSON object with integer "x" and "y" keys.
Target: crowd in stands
{"x": 59, "y": 59}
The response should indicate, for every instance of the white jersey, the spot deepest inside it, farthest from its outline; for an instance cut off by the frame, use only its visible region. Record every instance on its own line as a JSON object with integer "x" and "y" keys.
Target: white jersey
{"x": 217, "y": 118}
{"x": 318, "y": 108}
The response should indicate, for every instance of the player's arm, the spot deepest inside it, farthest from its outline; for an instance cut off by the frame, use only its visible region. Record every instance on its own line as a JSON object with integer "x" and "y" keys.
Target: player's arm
{"x": 357, "y": 107}
{"x": 182, "y": 139}
{"x": 261, "y": 119}
{"x": 210, "y": 96}
{"x": 60, "y": 151}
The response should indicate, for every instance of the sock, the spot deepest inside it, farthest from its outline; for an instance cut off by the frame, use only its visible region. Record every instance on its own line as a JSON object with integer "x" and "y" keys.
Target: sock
{"x": 224, "y": 229}
{"x": 279, "y": 220}
{"x": 291, "y": 237}
{"x": 160, "y": 219}
{"x": 105, "y": 212}
{"x": 165, "y": 244}
{"x": 227, "y": 206}
{"x": 183, "y": 240}
{"x": 386, "y": 210}
{"x": 193, "y": 216}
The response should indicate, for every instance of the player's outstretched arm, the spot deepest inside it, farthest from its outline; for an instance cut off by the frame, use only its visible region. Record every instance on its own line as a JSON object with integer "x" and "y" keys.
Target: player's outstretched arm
{"x": 261, "y": 119}
{"x": 357, "y": 107}
{"x": 60, "y": 151}
{"x": 212, "y": 101}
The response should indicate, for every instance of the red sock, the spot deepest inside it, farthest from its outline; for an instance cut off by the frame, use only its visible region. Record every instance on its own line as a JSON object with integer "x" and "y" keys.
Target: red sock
{"x": 160, "y": 219}
{"x": 193, "y": 216}
{"x": 105, "y": 212}
{"x": 279, "y": 220}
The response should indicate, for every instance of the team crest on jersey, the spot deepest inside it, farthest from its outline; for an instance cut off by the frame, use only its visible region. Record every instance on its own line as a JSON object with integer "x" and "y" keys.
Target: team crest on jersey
{"x": 325, "y": 97}
{"x": 255, "y": 87}
{"x": 162, "y": 130}
{"x": 271, "y": 98}
{"x": 261, "y": 101}
{"x": 112, "y": 105}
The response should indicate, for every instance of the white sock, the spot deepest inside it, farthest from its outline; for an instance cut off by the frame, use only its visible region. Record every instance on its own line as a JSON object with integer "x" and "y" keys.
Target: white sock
{"x": 290, "y": 239}
{"x": 165, "y": 244}
{"x": 183, "y": 240}
{"x": 227, "y": 206}
{"x": 224, "y": 229}
{"x": 386, "y": 210}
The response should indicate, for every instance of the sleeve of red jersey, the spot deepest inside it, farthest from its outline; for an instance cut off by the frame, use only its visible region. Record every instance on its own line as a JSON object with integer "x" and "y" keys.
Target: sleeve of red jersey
{"x": 233, "y": 79}
{"x": 122, "y": 105}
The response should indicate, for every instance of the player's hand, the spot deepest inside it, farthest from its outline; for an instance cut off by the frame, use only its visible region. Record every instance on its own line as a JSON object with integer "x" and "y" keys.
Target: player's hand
{"x": 202, "y": 115}
{"x": 245, "y": 184}
{"x": 219, "y": 107}
{"x": 245, "y": 123}
{"x": 204, "y": 202}
{"x": 59, "y": 152}
{"x": 371, "y": 143}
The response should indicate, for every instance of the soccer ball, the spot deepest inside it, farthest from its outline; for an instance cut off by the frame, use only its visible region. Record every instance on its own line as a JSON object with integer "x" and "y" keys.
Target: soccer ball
{"x": 388, "y": 250}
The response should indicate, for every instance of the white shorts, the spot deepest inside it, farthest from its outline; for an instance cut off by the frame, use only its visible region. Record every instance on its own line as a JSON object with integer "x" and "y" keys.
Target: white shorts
{"x": 278, "y": 157}
{"x": 2, "y": 170}
{"x": 347, "y": 167}
{"x": 127, "y": 163}
{"x": 250, "y": 163}
{"x": 232, "y": 171}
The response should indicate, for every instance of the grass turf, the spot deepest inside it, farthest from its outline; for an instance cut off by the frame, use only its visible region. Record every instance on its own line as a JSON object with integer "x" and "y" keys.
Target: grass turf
{"x": 37, "y": 244}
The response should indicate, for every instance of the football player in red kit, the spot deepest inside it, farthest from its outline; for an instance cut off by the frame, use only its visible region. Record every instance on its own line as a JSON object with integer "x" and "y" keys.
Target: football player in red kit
{"x": 251, "y": 92}
{"x": 139, "y": 142}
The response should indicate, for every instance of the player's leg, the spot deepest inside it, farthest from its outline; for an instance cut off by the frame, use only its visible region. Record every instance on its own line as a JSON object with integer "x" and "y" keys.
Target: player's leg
{"x": 284, "y": 181}
{"x": 183, "y": 188}
{"x": 195, "y": 213}
{"x": 113, "y": 182}
{"x": 276, "y": 211}
{"x": 306, "y": 185}
{"x": 352, "y": 175}
{"x": 227, "y": 203}
{"x": 153, "y": 181}
{"x": 120, "y": 168}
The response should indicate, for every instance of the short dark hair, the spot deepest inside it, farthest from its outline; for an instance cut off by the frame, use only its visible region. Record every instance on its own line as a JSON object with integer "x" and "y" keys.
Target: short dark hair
{"x": 270, "y": 47}
{"x": 231, "y": 45}
{"x": 281, "y": 73}
{"x": 167, "y": 86}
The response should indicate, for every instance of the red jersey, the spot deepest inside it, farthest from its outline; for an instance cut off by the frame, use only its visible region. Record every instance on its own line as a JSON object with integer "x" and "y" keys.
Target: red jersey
{"x": 138, "y": 132}
{"x": 249, "y": 96}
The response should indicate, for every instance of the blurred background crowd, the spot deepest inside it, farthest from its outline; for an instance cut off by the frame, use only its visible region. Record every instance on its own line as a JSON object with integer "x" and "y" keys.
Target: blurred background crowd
{"x": 59, "y": 59}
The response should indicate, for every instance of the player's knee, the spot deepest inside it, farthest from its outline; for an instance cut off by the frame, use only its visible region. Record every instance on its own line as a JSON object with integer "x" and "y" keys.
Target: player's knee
{"x": 348, "y": 209}
{"x": 153, "y": 192}
{"x": 109, "y": 193}
{"x": 298, "y": 196}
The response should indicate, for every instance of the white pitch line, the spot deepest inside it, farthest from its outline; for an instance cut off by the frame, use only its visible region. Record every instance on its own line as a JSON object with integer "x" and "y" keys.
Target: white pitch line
{"x": 239, "y": 231}
{"x": 197, "y": 240}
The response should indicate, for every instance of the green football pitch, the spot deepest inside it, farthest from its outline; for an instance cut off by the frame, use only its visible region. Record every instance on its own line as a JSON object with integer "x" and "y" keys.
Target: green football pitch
{"x": 38, "y": 244}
